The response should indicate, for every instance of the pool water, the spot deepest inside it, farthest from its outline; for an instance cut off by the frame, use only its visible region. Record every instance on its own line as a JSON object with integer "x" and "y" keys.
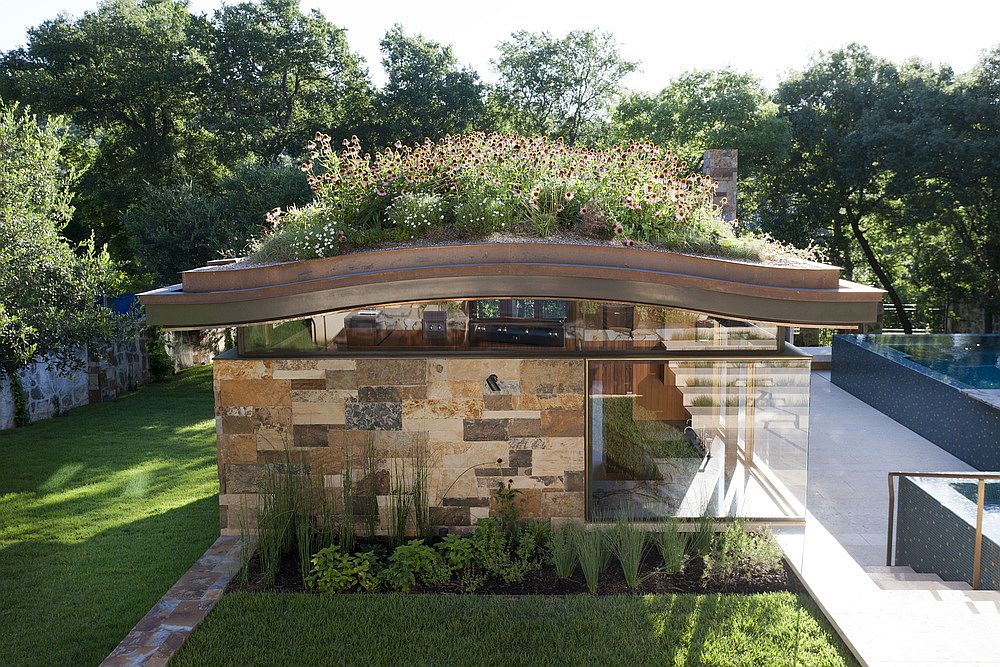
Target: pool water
{"x": 972, "y": 359}
{"x": 991, "y": 494}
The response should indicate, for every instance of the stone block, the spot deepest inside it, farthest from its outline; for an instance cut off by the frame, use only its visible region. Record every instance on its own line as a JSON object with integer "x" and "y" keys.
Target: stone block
{"x": 318, "y": 383}
{"x": 449, "y": 516}
{"x": 550, "y": 377}
{"x": 557, "y": 460}
{"x": 319, "y": 413}
{"x": 378, "y": 395}
{"x": 575, "y": 480}
{"x": 237, "y": 448}
{"x": 563, "y": 504}
{"x": 380, "y": 372}
{"x": 241, "y": 369}
{"x": 443, "y": 409}
{"x": 484, "y": 429}
{"x": 493, "y": 402}
{"x": 237, "y": 425}
{"x": 374, "y": 416}
{"x": 310, "y": 435}
{"x": 519, "y": 458}
{"x": 341, "y": 379}
{"x": 562, "y": 423}
{"x": 524, "y": 428}
{"x": 255, "y": 392}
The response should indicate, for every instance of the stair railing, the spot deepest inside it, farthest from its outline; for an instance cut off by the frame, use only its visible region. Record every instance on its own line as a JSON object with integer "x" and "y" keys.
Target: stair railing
{"x": 980, "y": 477}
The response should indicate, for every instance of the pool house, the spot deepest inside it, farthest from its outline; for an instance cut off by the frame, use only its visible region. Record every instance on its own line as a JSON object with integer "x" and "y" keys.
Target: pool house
{"x": 601, "y": 381}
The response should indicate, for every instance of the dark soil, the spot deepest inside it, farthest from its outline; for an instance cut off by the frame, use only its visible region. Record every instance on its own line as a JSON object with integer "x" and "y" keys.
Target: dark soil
{"x": 545, "y": 581}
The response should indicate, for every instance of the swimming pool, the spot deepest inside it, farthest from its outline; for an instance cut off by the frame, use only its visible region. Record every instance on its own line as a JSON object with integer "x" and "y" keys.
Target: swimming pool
{"x": 943, "y": 387}
{"x": 970, "y": 359}
{"x": 991, "y": 494}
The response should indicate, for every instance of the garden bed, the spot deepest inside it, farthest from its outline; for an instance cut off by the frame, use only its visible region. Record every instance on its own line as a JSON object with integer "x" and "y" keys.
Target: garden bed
{"x": 545, "y": 581}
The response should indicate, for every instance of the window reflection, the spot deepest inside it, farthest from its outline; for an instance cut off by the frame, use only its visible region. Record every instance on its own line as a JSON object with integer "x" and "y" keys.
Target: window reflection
{"x": 514, "y": 324}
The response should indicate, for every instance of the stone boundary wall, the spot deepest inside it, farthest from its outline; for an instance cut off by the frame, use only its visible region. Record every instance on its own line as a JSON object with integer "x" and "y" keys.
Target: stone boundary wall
{"x": 317, "y": 417}
{"x": 125, "y": 367}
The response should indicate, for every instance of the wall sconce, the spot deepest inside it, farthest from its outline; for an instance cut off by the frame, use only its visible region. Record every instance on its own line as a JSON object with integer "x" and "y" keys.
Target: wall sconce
{"x": 493, "y": 383}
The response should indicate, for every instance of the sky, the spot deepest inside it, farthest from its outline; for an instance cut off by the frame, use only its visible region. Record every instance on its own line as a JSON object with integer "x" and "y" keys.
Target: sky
{"x": 765, "y": 37}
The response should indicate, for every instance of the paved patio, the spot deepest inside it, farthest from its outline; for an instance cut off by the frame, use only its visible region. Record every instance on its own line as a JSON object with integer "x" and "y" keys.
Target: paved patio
{"x": 887, "y": 616}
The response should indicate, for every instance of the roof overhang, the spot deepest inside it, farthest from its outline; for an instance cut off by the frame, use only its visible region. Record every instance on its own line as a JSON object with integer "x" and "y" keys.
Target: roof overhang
{"x": 804, "y": 294}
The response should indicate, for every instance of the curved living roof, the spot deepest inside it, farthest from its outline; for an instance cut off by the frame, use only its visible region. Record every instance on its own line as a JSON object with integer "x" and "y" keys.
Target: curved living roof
{"x": 804, "y": 293}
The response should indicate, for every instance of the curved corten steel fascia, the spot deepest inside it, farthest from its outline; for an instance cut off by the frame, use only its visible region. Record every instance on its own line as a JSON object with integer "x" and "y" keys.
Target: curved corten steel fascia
{"x": 808, "y": 294}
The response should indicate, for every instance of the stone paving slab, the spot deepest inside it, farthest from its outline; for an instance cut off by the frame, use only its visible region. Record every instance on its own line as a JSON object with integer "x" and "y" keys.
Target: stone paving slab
{"x": 163, "y": 630}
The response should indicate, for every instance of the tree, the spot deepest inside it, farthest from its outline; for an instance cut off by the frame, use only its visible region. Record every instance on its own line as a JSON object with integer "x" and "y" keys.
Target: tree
{"x": 278, "y": 75}
{"x": 48, "y": 293}
{"x": 130, "y": 74}
{"x": 559, "y": 86}
{"x": 427, "y": 92}
{"x": 711, "y": 109}
{"x": 846, "y": 111}
{"x": 174, "y": 228}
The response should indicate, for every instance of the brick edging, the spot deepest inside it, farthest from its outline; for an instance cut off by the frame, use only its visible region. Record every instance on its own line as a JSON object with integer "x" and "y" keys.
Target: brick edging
{"x": 163, "y": 630}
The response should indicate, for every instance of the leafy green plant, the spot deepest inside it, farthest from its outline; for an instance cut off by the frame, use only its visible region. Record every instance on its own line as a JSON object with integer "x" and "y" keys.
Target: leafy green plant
{"x": 161, "y": 366}
{"x": 671, "y": 543}
{"x": 628, "y": 544}
{"x": 414, "y": 563}
{"x": 592, "y": 553}
{"x": 740, "y": 554}
{"x": 336, "y": 571}
{"x": 564, "y": 549}
{"x": 508, "y": 511}
{"x": 459, "y": 555}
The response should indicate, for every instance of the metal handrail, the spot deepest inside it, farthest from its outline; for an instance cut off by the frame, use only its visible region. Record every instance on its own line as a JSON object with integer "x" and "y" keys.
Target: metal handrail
{"x": 980, "y": 477}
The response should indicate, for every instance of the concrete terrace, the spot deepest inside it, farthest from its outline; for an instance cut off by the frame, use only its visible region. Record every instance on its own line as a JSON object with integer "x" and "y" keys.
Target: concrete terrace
{"x": 888, "y": 616}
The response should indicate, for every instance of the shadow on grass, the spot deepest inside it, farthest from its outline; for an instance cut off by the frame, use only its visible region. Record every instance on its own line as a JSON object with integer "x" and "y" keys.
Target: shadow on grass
{"x": 302, "y": 629}
{"x": 101, "y": 511}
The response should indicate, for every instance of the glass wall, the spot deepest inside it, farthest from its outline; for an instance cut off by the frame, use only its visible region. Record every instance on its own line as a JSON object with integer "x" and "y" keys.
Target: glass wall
{"x": 544, "y": 325}
{"x": 693, "y": 437}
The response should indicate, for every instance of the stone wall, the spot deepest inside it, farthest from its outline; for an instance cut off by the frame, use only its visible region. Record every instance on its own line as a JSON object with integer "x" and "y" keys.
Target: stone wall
{"x": 194, "y": 348}
{"x": 101, "y": 377}
{"x": 320, "y": 414}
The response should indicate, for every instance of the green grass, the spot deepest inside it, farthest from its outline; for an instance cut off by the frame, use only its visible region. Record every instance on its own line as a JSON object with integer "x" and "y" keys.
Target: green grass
{"x": 302, "y": 629}
{"x": 101, "y": 511}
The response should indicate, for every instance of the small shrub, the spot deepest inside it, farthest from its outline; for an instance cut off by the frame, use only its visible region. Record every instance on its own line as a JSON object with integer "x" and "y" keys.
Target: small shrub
{"x": 740, "y": 554}
{"x": 161, "y": 366}
{"x": 334, "y": 571}
{"x": 592, "y": 552}
{"x": 414, "y": 563}
{"x": 564, "y": 546}
{"x": 671, "y": 543}
{"x": 459, "y": 555}
{"x": 509, "y": 560}
{"x": 508, "y": 511}
{"x": 628, "y": 544}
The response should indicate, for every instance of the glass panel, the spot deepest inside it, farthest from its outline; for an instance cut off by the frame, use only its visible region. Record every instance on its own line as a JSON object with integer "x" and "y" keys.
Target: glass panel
{"x": 687, "y": 438}
{"x": 505, "y": 324}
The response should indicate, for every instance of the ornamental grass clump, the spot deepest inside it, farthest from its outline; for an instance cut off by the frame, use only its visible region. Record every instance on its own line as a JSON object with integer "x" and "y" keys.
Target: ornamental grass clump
{"x": 475, "y": 185}
{"x": 628, "y": 544}
{"x": 593, "y": 554}
{"x": 563, "y": 547}
{"x": 671, "y": 543}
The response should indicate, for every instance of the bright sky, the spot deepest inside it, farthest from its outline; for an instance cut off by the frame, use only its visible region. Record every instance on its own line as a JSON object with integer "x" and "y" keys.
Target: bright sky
{"x": 667, "y": 36}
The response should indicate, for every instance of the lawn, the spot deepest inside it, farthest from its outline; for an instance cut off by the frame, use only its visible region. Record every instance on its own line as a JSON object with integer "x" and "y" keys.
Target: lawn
{"x": 303, "y": 629}
{"x": 101, "y": 511}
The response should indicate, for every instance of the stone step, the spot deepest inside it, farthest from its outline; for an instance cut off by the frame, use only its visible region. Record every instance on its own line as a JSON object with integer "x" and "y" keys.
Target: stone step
{"x": 887, "y": 569}
{"x": 879, "y": 577}
{"x": 927, "y": 585}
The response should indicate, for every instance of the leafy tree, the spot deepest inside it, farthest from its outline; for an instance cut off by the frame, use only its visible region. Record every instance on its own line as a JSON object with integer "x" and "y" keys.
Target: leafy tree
{"x": 846, "y": 110}
{"x": 131, "y": 76}
{"x": 427, "y": 94}
{"x": 711, "y": 109}
{"x": 277, "y": 75}
{"x": 178, "y": 227}
{"x": 48, "y": 293}
{"x": 559, "y": 86}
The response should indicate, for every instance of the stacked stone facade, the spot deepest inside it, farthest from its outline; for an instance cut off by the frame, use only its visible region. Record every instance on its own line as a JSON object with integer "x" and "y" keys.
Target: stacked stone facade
{"x": 317, "y": 416}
